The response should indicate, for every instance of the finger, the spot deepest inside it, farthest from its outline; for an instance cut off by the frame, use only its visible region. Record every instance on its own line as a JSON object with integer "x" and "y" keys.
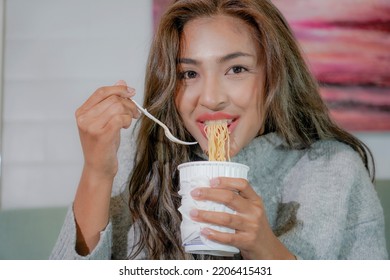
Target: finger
{"x": 121, "y": 83}
{"x": 235, "y": 184}
{"x": 112, "y": 103}
{"x": 110, "y": 131}
{"x": 221, "y": 237}
{"x": 233, "y": 221}
{"x": 227, "y": 197}
{"x": 118, "y": 122}
{"x": 125, "y": 108}
{"x": 102, "y": 93}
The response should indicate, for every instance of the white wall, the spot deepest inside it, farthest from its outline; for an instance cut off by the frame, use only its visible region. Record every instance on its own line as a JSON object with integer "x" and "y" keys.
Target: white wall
{"x": 56, "y": 54}
{"x": 379, "y": 144}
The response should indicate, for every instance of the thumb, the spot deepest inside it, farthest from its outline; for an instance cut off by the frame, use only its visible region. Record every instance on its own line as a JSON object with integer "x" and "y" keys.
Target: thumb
{"x": 121, "y": 83}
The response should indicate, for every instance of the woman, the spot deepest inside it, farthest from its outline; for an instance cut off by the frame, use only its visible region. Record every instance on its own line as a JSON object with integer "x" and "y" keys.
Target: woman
{"x": 309, "y": 194}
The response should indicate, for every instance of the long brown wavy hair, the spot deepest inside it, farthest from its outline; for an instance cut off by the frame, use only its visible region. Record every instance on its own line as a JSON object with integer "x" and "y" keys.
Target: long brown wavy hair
{"x": 294, "y": 110}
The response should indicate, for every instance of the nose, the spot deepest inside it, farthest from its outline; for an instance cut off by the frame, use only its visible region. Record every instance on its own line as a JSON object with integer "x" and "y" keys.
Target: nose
{"x": 213, "y": 94}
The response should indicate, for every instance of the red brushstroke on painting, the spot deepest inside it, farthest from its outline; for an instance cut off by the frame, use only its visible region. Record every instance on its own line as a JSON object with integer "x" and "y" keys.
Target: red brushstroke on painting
{"x": 347, "y": 46}
{"x": 375, "y": 24}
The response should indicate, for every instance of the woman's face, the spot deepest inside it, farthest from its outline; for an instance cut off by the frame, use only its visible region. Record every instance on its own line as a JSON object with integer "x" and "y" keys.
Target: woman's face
{"x": 221, "y": 78}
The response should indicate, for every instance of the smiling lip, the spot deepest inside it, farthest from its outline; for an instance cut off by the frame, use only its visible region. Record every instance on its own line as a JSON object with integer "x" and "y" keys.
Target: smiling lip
{"x": 202, "y": 119}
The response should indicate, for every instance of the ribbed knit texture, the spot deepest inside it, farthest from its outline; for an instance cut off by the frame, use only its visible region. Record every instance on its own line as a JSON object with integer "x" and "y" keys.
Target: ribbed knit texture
{"x": 320, "y": 202}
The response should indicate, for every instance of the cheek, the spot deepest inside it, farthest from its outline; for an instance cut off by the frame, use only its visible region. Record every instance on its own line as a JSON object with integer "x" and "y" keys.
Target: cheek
{"x": 180, "y": 103}
{"x": 251, "y": 102}
{"x": 184, "y": 102}
{"x": 185, "y": 107}
{"x": 249, "y": 97}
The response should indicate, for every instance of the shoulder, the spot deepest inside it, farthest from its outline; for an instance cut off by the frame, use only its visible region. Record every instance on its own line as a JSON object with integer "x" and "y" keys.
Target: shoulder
{"x": 334, "y": 156}
{"x": 327, "y": 166}
{"x": 330, "y": 147}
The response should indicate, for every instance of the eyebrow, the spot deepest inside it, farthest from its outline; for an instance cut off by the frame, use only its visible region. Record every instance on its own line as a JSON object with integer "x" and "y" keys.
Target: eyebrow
{"x": 223, "y": 59}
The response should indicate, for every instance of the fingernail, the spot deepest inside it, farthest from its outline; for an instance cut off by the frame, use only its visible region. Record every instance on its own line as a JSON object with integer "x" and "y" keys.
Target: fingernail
{"x": 131, "y": 90}
{"x": 129, "y": 94}
{"x": 194, "y": 213}
{"x": 214, "y": 182}
{"x": 195, "y": 193}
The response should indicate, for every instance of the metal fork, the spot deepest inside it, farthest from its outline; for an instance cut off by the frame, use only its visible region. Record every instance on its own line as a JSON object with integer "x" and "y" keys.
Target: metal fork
{"x": 167, "y": 132}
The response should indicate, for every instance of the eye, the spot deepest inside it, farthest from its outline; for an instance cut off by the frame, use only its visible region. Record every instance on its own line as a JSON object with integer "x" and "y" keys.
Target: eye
{"x": 188, "y": 75}
{"x": 236, "y": 70}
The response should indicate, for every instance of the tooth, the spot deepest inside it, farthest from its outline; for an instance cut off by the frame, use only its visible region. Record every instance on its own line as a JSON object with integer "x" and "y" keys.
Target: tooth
{"x": 228, "y": 121}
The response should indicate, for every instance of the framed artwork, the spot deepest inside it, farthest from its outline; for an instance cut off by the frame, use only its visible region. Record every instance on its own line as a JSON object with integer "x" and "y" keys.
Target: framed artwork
{"x": 346, "y": 44}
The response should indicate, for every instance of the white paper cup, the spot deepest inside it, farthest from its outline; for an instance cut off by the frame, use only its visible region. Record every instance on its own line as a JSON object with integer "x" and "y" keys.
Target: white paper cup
{"x": 198, "y": 174}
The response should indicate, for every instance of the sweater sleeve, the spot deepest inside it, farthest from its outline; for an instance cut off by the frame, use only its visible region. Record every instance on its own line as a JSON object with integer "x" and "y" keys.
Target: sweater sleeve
{"x": 364, "y": 236}
{"x": 339, "y": 215}
{"x": 65, "y": 247}
{"x": 113, "y": 239}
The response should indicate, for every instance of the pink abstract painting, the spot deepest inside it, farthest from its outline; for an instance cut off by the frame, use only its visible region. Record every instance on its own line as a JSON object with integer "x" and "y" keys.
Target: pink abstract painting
{"x": 347, "y": 46}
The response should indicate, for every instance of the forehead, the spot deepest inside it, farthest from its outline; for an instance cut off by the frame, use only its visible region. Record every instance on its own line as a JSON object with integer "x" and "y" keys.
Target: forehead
{"x": 216, "y": 35}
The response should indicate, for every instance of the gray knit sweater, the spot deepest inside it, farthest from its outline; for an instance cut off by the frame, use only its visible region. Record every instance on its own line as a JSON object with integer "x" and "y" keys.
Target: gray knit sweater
{"x": 320, "y": 203}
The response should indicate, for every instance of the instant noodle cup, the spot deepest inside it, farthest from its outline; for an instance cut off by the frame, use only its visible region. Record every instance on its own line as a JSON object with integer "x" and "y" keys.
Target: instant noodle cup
{"x": 198, "y": 174}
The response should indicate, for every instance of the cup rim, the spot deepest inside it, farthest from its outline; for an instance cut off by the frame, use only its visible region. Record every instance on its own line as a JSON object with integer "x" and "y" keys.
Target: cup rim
{"x": 212, "y": 163}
